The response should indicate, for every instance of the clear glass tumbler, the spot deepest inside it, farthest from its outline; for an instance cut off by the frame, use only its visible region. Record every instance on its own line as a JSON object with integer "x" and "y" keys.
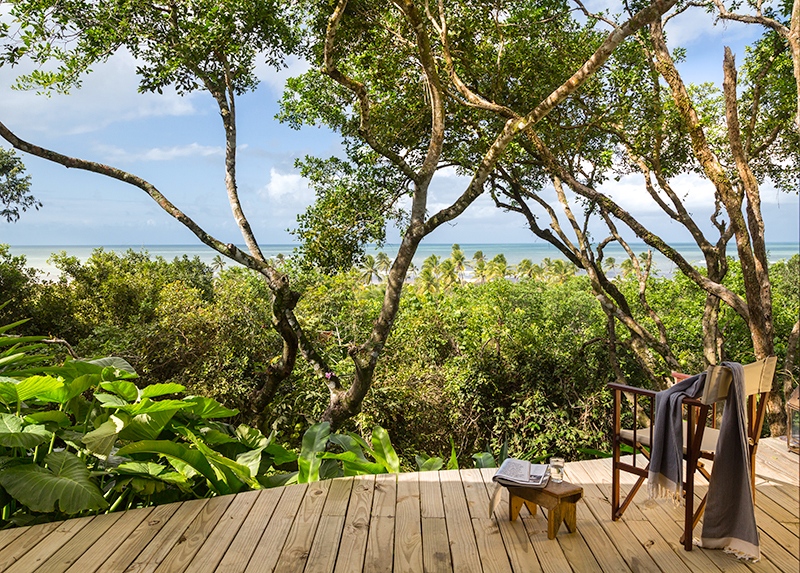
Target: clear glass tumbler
{"x": 557, "y": 469}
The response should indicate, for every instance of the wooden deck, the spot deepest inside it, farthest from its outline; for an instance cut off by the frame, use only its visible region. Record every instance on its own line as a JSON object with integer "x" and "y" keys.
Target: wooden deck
{"x": 415, "y": 522}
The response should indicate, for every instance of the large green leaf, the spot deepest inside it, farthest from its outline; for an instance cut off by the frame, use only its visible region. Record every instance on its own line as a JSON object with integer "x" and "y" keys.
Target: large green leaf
{"x": 384, "y": 451}
{"x": 120, "y": 367}
{"x": 14, "y": 434}
{"x": 122, "y": 388}
{"x": 193, "y": 458}
{"x": 101, "y": 441}
{"x": 314, "y": 441}
{"x": 208, "y": 407}
{"x": 147, "y": 478}
{"x": 155, "y": 390}
{"x": 252, "y": 437}
{"x": 147, "y": 406}
{"x": 31, "y": 387}
{"x": 70, "y": 389}
{"x": 354, "y": 465}
{"x": 64, "y": 484}
{"x": 146, "y": 426}
{"x": 280, "y": 455}
{"x": 56, "y": 416}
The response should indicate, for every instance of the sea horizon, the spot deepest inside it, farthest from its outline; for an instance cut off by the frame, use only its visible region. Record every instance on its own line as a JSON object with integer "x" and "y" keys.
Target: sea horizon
{"x": 37, "y": 256}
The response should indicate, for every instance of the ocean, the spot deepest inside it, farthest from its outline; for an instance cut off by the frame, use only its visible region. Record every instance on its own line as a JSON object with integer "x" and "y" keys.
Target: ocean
{"x": 38, "y": 256}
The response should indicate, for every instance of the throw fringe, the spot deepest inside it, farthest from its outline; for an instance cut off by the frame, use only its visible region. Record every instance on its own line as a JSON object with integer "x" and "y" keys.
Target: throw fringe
{"x": 732, "y": 546}
{"x": 661, "y": 487}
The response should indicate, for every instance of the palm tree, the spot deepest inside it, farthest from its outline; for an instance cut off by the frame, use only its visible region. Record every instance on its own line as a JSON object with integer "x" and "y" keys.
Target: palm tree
{"x": 427, "y": 281}
{"x": 497, "y": 267}
{"x": 384, "y": 263}
{"x": 459, "y": 261}
{"x": 217, "y": 264}
{"x": 369, "y": 269}
{"x": 609, "y": 264}
{"x": 478, "y": 257}
{"x": 432, "y": 263}
{"x": 447, "y": 274}
{"x": 524, "y": 269}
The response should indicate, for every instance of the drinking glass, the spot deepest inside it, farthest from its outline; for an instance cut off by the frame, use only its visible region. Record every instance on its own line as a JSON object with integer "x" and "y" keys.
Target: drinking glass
{"x": 557, "y": 469}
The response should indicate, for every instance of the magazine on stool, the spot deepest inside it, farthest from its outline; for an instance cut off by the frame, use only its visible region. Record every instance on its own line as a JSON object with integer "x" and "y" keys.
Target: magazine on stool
{"x": 517, "y": 473}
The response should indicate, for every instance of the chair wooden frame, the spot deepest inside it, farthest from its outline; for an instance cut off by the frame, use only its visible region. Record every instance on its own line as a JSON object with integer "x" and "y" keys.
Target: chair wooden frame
{"x": 698, "y": 413}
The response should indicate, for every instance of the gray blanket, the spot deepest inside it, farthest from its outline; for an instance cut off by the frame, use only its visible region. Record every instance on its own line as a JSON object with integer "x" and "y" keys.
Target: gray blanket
{"x": 729, "y": 521}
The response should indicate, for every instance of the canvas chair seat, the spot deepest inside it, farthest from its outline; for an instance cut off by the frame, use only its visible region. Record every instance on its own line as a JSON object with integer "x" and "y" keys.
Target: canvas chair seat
{"x": 708, "y": 445}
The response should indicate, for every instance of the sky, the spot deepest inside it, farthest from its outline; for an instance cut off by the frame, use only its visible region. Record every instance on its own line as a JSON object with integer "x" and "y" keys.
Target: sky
{"x": 177, "y": 143}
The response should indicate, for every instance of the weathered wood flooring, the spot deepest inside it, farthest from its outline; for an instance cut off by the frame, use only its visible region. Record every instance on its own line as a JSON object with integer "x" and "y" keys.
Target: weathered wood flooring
{"x": 415, "y": 522}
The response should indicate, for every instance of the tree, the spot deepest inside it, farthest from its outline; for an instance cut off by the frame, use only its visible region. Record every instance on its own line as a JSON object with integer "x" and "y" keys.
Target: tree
{"x": 369, "y": 270}
{"x": 659, "y": 128}
{"x": 384, "y": 76}
{"x": 15, "y": 187}
{"x": 389, "y": 77}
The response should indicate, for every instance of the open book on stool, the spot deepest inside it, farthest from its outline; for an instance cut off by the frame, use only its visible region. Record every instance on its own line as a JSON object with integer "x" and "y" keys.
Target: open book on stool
{"x": 521, "y": 473}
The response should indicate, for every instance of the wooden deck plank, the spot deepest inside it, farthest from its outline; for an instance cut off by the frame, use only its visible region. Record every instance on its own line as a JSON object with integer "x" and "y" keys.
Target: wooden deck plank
{"x": 104, "y": 548}
{"x": 7, "y": 536}
{"x": 353, "y": 544}
{"x": 381, "y": 525}
{"x": 408, "y": 529}
{"x": 521, "y": 556}
{"x": 430, "y": 495}
{"x": 193, "y": 537}
{"x": 325, "y": 547}
{"x": 463, "y": 548}
{"x": 132, "y": 546}
{"x": 435, "y": 546}
{"x": 298, "y": 543}
{"x": 476, "y": 493}
{"x": 76, "y": 546}
{"x": 244, "y": 544}
{"x": 49, "y": 545}
{"x": 491, "y": 546}
{"x": 29, "y": 539}
{"x": 272, "y": 541}
{"x": 213, "y": 549}
{"x": 171, "y": 533}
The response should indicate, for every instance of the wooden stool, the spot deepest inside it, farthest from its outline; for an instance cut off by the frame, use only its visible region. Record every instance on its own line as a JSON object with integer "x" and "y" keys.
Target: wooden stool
{"x": 558, "y": 499}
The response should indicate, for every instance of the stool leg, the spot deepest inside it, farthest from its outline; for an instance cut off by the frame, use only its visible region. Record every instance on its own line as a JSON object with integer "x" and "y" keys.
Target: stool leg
{"x": 570, "y": 517}
{"x": 514, "y": 505}
{"x": 532, "y": 507}
{"x": 554, "y": 519}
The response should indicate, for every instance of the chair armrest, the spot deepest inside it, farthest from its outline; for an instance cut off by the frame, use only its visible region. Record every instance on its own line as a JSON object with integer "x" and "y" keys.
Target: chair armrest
{"x": 678, "y": 376}
{"x": 632, "y": 389}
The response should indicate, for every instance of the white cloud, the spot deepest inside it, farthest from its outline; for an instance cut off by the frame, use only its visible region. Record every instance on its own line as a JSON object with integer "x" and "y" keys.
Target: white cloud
{"x": 276, "y": 79}
{"x": 109, "y": 95}
{"x": 287, "y": 188}
{"x": 118, "y": 155}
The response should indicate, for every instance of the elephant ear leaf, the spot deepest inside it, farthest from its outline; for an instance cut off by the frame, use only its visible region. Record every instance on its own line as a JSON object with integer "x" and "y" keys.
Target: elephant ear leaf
{"x": 384, "y": 451}
{"x": 64, "y": 483}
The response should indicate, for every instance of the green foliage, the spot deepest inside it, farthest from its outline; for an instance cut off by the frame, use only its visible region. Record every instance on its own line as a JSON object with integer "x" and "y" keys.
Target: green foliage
{"x": 15, "y": 194}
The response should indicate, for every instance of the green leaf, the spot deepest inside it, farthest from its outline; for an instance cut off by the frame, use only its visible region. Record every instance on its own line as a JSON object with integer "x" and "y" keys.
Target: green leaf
{"x": 250, "y": 459}
{"x": 252, "y": 437}
{"x": 208, "y": 407}
{"x": 484, "y": 460}
{"x": 155, "y": 390}
{"x": 314, "y": 441}
{"x": 64, "y": 483}
{"x": 123, "y": 389}
{"x": 113, "y": 363}
{"x": 354, "y": 465}
{"x": 193, "y": 458}
{"x": 11, "y": 393}
{"x": 146, "y": 426}
{"x": 57, "y": 416}
{"x": 349, "y": 444}
{"x": 384, "y": 451}
{"x": 110, "y": 401}
{"x": 70, "y": 389}
{"x": 429, "y": 464}
{"x": 280, "y": 455}
{"x": 452, "y": 463}
{"x": 13, "y": 434}
{"x": 147, "y": 406}
{"x": 101, "y": 441}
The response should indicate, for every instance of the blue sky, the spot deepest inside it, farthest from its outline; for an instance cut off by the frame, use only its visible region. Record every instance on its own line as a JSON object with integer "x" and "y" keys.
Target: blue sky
{"x": 177, "y": 144}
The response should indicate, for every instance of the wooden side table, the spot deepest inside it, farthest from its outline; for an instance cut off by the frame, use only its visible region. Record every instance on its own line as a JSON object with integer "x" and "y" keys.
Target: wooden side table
{"x": 558, "y": 499}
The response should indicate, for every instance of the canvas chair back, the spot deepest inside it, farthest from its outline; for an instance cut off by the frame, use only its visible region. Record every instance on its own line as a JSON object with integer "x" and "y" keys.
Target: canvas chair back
{"x": 757, "y": 380}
